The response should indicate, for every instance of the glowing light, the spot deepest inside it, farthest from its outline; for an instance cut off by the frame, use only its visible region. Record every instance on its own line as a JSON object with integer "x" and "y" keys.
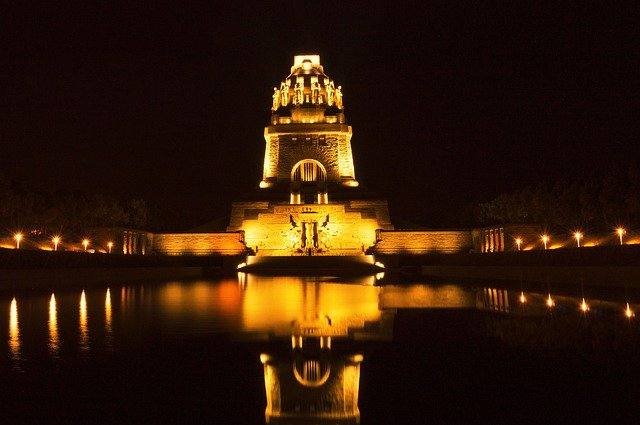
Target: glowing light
{"x": 18, "y": 238}
{"x": 584, "y": 306}
{"x": 578, "y": 236}
{"x": 110, "y": 245}
{"x": 85, "y": 243}
{"x": 14, "y": 331}
{"x": 379, "y": 264}
{"x": 84, "y": 328}
{"x": 241, "y": 266}
{"x": 54, "y": 342}
{"x": 550, "y": 302}
{"x": 107, "y": 320}
{"x": 545, "y": 239}
{"x": 620, "y": 231}
{"x": 518, "y": 243}
{"x": 523, "y": 299}
{"x": 56, "y": 241}
{"x": 628, "y": 312}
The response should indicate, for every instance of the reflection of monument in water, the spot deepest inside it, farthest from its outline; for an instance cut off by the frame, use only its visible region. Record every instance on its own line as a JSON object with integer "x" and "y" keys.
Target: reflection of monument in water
{"x": 312, "y": 368}
{"x": 312, "y": 364}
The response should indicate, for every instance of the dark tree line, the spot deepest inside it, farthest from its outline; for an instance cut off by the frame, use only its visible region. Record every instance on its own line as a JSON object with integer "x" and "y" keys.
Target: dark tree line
{"x": 594, "y": 203}
{"x": 68, "y": 210}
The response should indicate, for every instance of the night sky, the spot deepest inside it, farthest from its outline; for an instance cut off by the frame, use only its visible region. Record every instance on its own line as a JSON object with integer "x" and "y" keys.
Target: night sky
{"x": 450, "y": 105}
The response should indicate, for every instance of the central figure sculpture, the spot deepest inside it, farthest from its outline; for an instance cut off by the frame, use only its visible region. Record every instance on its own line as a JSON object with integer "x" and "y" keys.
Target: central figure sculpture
{"x": 309, "y": 202}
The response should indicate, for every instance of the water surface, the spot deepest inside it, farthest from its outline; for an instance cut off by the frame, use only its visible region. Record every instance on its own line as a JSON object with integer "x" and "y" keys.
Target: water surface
{"x": 229, "y": 350}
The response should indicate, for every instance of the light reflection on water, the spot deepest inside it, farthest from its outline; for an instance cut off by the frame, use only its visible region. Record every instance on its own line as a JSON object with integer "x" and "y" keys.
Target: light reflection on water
{"x": 108, "y": 330}
{"x": 321, "y": 324}
{"x": 84, "y": 328}
{"x": 54, "y": 342}
{"x": 269, "y": 305}
{"x": 14, "y": 331}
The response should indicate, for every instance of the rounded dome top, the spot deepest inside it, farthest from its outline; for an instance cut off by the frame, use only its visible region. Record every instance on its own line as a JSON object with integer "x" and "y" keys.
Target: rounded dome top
{"x": 307, "y": 86}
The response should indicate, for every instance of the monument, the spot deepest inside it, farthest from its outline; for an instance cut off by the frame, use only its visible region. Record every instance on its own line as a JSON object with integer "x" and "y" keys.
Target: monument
{"x": 309, "y": 201}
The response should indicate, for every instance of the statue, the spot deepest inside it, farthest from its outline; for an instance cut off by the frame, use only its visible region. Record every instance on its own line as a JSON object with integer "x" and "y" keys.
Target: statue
{"x": 330, "y": 90}
{"x": 284, "y": 92}
{"x": 276, "y": 99}
{"x": 299, "y": 88}
{"x": 339, "y": 97}
{"x": 315, "y": 90}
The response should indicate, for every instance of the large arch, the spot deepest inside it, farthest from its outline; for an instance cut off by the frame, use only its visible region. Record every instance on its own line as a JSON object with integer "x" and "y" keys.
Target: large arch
{"x": 308, "y": 171}
{"x": 308, "y": 183}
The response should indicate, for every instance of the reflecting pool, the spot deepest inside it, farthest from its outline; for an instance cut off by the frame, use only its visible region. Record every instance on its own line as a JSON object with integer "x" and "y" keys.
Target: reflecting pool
{"x": 251, "y": 349}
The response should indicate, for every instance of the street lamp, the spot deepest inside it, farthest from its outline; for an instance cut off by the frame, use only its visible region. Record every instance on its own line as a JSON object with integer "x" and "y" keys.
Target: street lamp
{"x": 578, "y": 236}
{"x": 85, "y": 243}
{"x": 18, "y": 238}
{"x": 620, "y": 231}
{"x": 545, "y": 239}
{"x": 56, "y": 241}
{"x": 110, "y": 245}
{"x": 519, "y": 243}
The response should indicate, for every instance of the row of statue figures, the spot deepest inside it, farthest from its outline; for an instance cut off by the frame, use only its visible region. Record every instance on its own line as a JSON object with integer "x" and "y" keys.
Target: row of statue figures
{"x": 282, "y": 97}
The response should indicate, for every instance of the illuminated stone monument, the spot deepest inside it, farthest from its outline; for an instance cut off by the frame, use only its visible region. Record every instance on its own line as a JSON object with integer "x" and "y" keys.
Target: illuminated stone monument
{"x": 309, "y": 202}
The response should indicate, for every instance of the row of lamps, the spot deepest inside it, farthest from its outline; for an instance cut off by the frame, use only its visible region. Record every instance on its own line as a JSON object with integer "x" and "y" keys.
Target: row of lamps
{"x": 577, "y": 235}
{"x": 56, "y": 241}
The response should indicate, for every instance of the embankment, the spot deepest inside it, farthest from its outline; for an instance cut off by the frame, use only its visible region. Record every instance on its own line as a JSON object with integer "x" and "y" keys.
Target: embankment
{"x": 26, "y": 269}
{"x": 602, "y": 266}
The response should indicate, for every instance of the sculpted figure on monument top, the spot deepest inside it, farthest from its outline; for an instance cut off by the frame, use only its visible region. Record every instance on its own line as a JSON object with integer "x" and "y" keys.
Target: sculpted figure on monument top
{"x": 315, "y": 90}
{"x": 330, "y": 91}
{"x": 276, "y": 99}
{"x": 299, "y": 88}
{"x": 284, "y": 92}
{"x": 339, "y": 97}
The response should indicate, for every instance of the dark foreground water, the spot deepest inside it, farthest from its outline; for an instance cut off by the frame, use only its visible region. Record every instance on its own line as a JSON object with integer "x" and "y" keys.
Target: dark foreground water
{"x": 224, "y": 351}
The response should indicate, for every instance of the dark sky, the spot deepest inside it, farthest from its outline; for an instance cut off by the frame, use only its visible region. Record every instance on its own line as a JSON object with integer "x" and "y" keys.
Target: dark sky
{"x": 450, "y": 104}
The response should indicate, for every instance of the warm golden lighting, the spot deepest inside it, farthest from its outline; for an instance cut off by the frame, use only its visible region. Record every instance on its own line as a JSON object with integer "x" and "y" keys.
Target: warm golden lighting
{"x": 110, "y": 245}
{"x": 85, "y": 243}
{"x": 628, "y": 312}
{"x": 523, "y": 299}
{"x": 545, "y": 239}
{"x": 518, "y": 243}
{"x": 550, "y": 302}
{"x": 18, "y": 238}
{"x": 107, "y": 315}
{"x": 584, "y": 306}
{"x": 578, "y": 236}
{"x": 84, "y": 328}
{"x": 620, "y": 231}
{"x": 14, "y": 331}
{"x": 56, "y": 241}
{"x": 54, "y": 342}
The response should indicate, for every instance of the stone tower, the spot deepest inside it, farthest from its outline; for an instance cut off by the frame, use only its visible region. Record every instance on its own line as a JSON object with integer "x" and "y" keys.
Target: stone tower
{"x": 308, "y": 144}
{"x": 309, "y": 201}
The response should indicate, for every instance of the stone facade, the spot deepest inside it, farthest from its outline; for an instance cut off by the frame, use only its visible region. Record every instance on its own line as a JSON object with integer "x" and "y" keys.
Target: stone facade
{"x": 423, "y": 241}
{"x": 199, "y": 243}
{"x": 344, "y": 228}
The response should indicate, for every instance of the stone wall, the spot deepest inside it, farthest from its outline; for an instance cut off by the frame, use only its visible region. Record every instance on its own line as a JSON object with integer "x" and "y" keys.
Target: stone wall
{"x": 231, "y": 243}
{"x": 423, "y": 241}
